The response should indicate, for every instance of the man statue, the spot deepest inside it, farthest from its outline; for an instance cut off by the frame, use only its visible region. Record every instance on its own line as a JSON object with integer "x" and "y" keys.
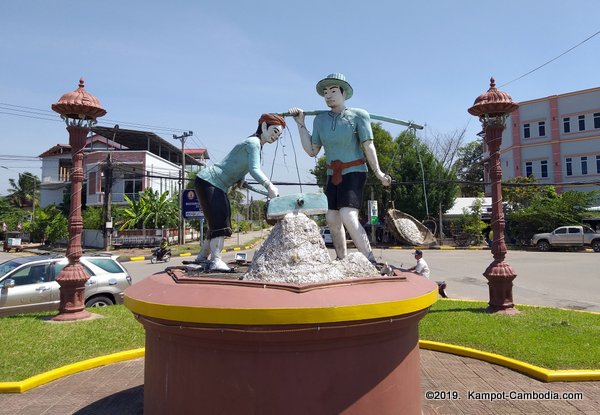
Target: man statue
{"x": 213, "y": 183}
{"x": 347, "y": 137}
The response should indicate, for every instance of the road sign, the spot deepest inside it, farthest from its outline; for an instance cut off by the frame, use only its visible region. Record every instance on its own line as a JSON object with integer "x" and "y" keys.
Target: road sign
{"x": 191, "y": 206}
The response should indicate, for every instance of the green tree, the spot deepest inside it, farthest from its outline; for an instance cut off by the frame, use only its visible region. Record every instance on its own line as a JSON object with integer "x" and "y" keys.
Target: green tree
{"x": 152, "y": 210}
{"x": 50, "y": 224}
{"x": 92, "y": 218}
{"x": 546, "y": 212}
{"x": 257, "y": 210}
{"x": 469, "y": 226}
{"x": 10, "y": 214}
{"x": 520, "y": 192}
{"x": 413, "y": 164}
{"x": 24, "y": 192}
{"x": 469, "y": 168}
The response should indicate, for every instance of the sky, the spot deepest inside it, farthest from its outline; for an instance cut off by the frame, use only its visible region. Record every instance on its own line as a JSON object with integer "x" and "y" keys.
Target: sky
{"x": 214, "y": 67}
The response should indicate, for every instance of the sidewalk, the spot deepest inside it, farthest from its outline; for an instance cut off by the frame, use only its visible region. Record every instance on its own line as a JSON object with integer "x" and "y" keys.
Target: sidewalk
{"x": 118, "y": 389}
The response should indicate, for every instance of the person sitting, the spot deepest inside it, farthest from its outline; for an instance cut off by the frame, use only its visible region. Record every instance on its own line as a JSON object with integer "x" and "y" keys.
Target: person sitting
{"x": 164, "y": 244}
{"x": 422, "y": 268}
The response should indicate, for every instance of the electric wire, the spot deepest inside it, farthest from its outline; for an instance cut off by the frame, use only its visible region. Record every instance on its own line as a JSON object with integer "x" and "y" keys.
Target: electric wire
{"x": 551, "y": 60}
{"x": 21, "y": 111}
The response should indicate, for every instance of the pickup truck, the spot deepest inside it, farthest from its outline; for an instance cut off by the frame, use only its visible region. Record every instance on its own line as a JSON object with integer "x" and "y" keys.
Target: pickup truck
{"x": 567, "y": 236}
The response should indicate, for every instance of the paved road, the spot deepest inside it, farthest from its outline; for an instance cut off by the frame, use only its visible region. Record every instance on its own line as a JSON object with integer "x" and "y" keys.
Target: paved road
{"x": 556, "y": 279}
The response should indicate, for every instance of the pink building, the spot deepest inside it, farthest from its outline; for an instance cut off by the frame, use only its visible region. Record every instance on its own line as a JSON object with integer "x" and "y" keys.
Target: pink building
{"x": 556, "y": 139}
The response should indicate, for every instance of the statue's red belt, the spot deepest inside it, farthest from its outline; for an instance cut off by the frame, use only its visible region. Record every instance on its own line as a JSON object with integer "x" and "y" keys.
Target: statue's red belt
{"x": 337, "y": 166}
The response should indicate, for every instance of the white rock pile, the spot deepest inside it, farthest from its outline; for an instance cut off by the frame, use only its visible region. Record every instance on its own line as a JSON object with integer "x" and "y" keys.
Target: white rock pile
{"x": 409, "y": 231}
{"x": 295, "y": 253}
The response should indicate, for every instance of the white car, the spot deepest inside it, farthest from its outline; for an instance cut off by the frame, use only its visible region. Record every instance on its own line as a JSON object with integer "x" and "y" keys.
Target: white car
{"x": 28, "y": 284}
{"x": 326, "y": 233}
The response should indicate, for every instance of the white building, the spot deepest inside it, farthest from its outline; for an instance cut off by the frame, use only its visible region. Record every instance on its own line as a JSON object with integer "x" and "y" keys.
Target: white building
{"x": 140, "y": 160}
{"x": 556, "y": 139}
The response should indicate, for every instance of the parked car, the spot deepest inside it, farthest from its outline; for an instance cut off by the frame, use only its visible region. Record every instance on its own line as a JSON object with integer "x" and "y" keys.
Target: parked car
{"x": 326, "y": 233}
{"x": 567, "y": 236}
{"x": 28, "y": 284}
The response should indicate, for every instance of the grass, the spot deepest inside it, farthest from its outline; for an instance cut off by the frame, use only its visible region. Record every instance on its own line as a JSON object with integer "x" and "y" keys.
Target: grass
{"x": 546, "y": 337}
{"x": 31, "y": 345}
{"x": 551, "y": 338}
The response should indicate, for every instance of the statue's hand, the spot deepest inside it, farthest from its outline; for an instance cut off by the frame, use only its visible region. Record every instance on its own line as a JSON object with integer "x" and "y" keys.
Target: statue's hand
{"x": 298, "y": 115}
{"x": 273, "y": 192}
{"x": 385, "y": 179}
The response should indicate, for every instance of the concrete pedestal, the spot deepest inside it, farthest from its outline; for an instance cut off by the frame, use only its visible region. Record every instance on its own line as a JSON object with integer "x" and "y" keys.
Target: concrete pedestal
{"x": 229, "y": 347}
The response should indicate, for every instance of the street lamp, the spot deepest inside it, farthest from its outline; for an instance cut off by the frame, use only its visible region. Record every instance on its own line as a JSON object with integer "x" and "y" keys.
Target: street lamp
{"x": 493, "y": 108}
{"x": 79, "y": 109}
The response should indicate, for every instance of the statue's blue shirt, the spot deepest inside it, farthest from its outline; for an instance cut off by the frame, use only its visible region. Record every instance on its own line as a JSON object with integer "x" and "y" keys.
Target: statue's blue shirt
{"x": 242, "y": 159}
{"x": 341, "y": 135}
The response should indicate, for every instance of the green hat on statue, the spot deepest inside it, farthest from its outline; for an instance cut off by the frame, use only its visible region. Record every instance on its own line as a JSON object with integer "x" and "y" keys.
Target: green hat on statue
{"x": 334, "y": 79}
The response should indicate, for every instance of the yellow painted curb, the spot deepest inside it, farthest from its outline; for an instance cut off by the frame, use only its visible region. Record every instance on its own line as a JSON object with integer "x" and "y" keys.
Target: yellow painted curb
{"x": 38, "y": 380}
{"x": 186, "y": 254}
{"x": 137, "y": 258}
{"x": 539, "y": 373}
{"x": 447, "y": 248}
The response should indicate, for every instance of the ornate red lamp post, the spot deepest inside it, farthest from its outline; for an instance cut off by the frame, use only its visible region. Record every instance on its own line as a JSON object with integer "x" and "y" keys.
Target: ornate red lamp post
{"x": 493, "y": 108}
{"x": 79, "y": 109}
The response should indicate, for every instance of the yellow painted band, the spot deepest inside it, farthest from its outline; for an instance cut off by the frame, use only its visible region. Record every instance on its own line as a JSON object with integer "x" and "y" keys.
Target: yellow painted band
{"x": 137, "y": 258}
{"x": 186, "y": 254}
{"x": 276, "y": 316}
{"x": 540, "y": 373}
{"x": 41, "y": 379}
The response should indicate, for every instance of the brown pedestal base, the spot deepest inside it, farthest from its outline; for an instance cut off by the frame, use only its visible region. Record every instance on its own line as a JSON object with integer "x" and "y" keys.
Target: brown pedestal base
{"x": 354, "y": 349}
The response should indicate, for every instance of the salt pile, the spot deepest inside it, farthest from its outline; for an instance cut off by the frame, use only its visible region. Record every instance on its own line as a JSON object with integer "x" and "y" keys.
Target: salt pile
{"x": 409, "y": 231}
{"x": 295, "y": 253}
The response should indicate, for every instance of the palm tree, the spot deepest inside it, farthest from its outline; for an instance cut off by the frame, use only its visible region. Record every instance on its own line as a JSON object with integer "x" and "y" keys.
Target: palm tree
{"x": 24, "y": 191}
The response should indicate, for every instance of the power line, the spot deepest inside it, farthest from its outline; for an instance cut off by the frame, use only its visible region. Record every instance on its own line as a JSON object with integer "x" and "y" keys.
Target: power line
{"x": 22, "y": 111}
{"x": 551, "y": 60}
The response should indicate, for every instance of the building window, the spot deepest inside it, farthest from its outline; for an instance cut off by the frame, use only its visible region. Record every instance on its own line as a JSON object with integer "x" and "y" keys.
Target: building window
{"x": 528, "y": 169}
{"x": 526, "y": 132}
{"x": 542, "y": 128}
{"x": 584, "y": 165}
{"x": 598, "y": 164}
{"x": 91, "y": 187}
{"x": 544, "y": 167}
{"x": 132, "y": 185}
{"x": 102, "y": 182}
{"x": 597, "y": 120}
{"x": 64, "y": 168}
{"x": 569, "y": 166}
{"x": 581, "y": 119}
{"x": 567, "y": 125}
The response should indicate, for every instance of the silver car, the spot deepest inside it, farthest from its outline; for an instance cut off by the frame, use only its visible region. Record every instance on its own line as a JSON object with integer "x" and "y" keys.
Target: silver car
{"x": 28, "y": 284}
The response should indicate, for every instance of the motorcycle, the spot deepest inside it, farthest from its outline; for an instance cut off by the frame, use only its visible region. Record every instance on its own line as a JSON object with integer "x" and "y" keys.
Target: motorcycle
{"x": 159, "y": 254}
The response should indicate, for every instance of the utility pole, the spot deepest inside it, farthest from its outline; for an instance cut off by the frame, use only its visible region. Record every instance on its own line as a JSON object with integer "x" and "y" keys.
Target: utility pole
{"x": 182, "y": 137}
{"x": 107, "y": 207}
{"x": 108, "y": 182}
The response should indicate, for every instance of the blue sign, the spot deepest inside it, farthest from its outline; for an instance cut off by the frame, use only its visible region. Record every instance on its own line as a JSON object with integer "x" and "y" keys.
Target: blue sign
{"x": 191, "y": 206}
